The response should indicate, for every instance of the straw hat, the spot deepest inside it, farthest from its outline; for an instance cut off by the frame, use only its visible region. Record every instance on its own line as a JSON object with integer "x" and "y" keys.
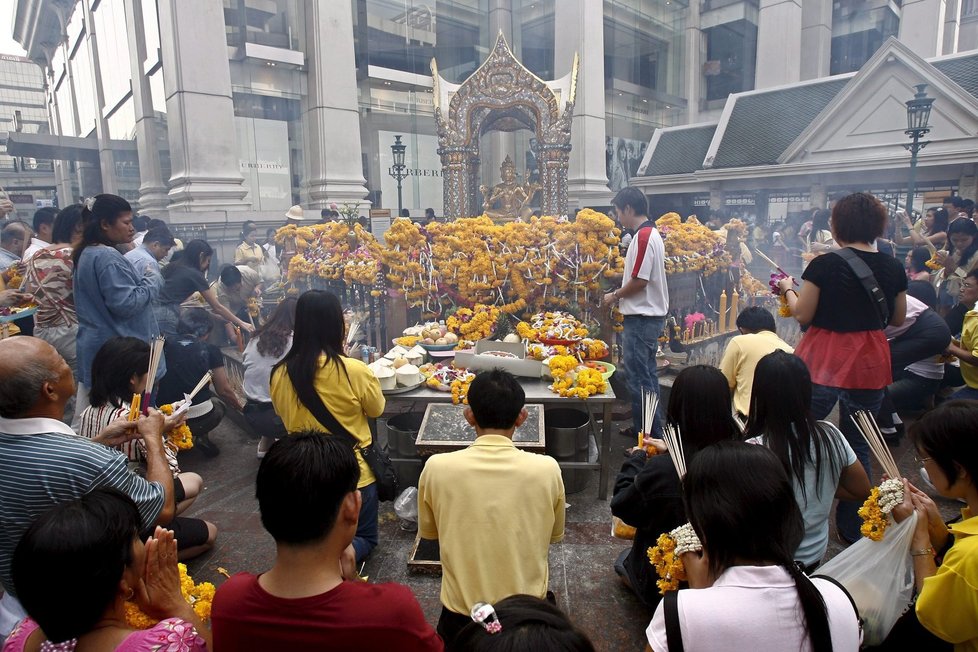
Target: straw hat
{"x": 295, "y": 213}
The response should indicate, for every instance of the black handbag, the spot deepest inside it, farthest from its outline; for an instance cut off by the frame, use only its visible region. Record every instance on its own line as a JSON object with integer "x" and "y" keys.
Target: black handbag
{"x": 376, "y": 458}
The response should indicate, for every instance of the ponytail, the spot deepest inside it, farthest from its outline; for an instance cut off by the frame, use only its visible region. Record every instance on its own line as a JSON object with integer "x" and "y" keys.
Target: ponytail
{"x": 813, "y": 609}
{"x": 98, "y": 209}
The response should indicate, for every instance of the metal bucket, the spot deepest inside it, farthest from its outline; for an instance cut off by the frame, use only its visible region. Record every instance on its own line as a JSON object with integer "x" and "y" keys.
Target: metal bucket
{"x": 567, "y": 441}
{"x": 402, "y": 432}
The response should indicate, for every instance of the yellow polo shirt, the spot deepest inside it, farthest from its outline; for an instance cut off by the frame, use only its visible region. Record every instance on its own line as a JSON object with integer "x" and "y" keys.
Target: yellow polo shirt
{"x": 969, "y": 342}
{"x": 494, "y": 510}
{"x": 351, "y": 401}
{"x": 740, "y": 359}
{"x": 948, "y": 602}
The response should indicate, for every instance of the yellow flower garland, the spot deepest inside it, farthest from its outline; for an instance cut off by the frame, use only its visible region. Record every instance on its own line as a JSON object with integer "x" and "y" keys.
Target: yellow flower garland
{"x": 180, "y": 437}
{"x": 582, "y": 383}
{"x": 668, "y": 565}
{"x": 199, "y": 596}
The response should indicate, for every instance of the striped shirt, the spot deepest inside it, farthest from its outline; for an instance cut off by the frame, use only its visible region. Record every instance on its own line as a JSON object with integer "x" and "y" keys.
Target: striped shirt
{"x": 44, "y": 463}
{"x": 94, "y": 420}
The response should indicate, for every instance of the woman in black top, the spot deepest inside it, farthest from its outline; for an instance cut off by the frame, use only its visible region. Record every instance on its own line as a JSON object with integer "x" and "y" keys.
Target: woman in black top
{"x": 647, "y": 490}
{"x": 844, "y": 347}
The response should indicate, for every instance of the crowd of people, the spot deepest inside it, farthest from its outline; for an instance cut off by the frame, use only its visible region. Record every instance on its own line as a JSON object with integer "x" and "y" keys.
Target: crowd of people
{"x": 94, "y": 515}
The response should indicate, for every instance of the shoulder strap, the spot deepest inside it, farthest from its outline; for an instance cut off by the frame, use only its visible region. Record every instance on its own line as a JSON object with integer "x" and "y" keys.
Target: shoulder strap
{"x": 310, "y": 399}
{"x": 674, "y": 632}
{"x": 868, "y": 279}
{"x": 845, "y": 592}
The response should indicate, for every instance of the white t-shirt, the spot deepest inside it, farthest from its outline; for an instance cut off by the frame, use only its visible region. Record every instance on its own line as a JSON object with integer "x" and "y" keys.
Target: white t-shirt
{"x": 754, "y": 608}
{"x": 258, "y": 371}
{"x": 646, "y": 259}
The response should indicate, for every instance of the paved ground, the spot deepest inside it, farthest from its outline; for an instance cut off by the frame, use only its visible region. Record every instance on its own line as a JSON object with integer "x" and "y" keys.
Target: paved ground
{"x": 581, "y": 572}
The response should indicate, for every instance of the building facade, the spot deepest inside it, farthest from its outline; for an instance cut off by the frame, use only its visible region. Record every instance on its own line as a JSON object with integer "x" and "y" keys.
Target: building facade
{"x": 218, "y": 111}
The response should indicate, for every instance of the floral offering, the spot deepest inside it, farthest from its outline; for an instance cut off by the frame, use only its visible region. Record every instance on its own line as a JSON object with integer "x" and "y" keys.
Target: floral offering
{"x": 690, "y": 246}
{"x": 574, "y": 381}
{"x": 875, "y": 511}
{"x": 180, "y": 437}
{"x": 199, "y": 596}
{"x": 473, "y": 324}
{"x": 666, "y": 556}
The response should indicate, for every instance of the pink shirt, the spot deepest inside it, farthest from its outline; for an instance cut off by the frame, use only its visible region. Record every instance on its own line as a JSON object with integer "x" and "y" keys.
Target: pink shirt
{"x": 170, "y": 635}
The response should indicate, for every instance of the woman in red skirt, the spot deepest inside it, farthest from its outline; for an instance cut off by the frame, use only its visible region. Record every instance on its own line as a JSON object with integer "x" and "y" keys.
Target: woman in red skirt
{"x": 844, "y": 345}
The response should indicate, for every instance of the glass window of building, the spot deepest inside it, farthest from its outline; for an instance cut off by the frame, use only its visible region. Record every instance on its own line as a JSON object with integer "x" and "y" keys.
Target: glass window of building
{"x": 858, "y": 29}
{"x": 731, "y": 50}
{"x": 113, "y": 51}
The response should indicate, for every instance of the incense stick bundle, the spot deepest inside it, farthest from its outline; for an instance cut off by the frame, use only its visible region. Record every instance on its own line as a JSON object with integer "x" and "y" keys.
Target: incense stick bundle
{"x": 650, "y": 403}
{"x": 134, "y": 406}
{"x": 867, "y": 427}
{"x": 155, "y": 353}
{"x": 204, "y": 381}
{"x": 674, "y": 444}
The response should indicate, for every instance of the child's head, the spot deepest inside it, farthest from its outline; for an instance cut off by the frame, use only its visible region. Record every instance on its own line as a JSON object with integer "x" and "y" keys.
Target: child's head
{"x": 496, "y": 400}
{"x": 527, "y": 624}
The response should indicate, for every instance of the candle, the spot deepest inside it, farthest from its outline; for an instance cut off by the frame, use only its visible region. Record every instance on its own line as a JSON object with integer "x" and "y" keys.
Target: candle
{"x": 734, "y": 300}
{"x": 723, "y": 311}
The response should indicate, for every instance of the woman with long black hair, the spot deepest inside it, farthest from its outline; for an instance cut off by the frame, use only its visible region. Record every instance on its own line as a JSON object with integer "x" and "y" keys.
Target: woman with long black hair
{"x": 816, "y": 456}
{"x": 347, "y": 389}
{"x": 750, "y": 593}
{"x": 960, "y": 259}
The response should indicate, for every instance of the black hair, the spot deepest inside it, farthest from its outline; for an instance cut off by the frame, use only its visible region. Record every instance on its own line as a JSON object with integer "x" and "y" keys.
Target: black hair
{"x": 247, "y": 230}
{"x": 429, "y": 213}
{"x": 116, "y": 362}
{"x": 270, "y": 231}
{"x": 194, "y": 322}
{"x": 230, "y": 275}
{"x": 191, "y": 256}
{"x": 954, "y": 200}
{"x": 66, "y": 223}
{"x": 751, "y": 521}
{"x": 820, "y": 222}
{"x": 699, "y": 405}
{"x": 963, "y": 227}
{"x": 631, "y": 196}
{"x": 923, "y": 291}
{"x": 781, "y": 417}
{"x": 941, "y": 220}
{"x": 140, "y": 223}
{"x": 324, "y": 213}
{"x": 106, "y": 208}
{"x": 859, "y": 217}
{"x": 301, "y": 484}
{"x": 155, "y": 222}
{"x": 319, "y": 330}
{"x": 968, "y": 205}
{"x": 274, "y": 334}
{"x": 405, "y": 213}
{"x": 529, "y": 624}
{"x": 918, "y": 259}
{"x": 161, "y": 235}
{"x": 946, "y": 434}
{"x": 44, "y": 216}
{"x": 496, "y": 398}
{"x": 68, "y": 565}
{"x": 755, "y": 319}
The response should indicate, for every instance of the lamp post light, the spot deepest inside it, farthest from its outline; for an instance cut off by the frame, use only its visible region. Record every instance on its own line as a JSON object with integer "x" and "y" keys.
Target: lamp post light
{"x": 398, "y": 171}
{"x": 918, "y": 114}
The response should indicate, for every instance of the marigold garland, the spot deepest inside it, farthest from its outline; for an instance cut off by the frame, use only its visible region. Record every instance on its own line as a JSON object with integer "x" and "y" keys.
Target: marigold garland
{"x": 199, "y": 596}
{"x": 473, "y": 324}
{"x": 690, "y": 246}
{"x": 666, "y": 556}
{"x": 572, "y": 381}
{"x": 180, "y": 437}
{"x": 875, "y": 511}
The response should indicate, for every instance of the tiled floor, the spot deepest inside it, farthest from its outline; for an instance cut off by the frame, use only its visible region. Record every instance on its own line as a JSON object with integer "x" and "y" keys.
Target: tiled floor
{"x": 581, "y": 572}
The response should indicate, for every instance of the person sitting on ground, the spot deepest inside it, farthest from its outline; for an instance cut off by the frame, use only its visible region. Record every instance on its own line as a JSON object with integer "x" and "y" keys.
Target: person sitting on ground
{"x": 944, "y": 570}
{"x": 309, "y": 503}
{"x": 647, "y": 493}
{"x": 344, "y": 386}
{"x": 758, "y": 337}
{"x": 188, "y": 358}
{"x": 966, "y": 350}
{"x": 917, "y": 269}
{"x": 155, "y": 247}
{"x": 80, "y": 563}
{"x": 749, "y": 594}
{"x": 237, "y": 285}
{"x": 527, "y": 624}
{"x": 43, "y": 462}
{"x": 815, "y": 455}
{"x": 263, "y": 352}
{"x": 493, "y": 508}
{"x": 118, "y": 372}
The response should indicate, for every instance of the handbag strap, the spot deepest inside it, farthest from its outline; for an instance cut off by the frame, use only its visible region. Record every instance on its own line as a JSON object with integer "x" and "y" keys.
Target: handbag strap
{"x": 868, "y": 280}
{"x": 309, "y": 397}
{"x": 674, "y": 632}
{"x": 845, "y": 591}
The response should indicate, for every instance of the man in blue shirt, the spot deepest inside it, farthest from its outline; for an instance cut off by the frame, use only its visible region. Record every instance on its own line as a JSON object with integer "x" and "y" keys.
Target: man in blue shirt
{"x": 155, "y": 247}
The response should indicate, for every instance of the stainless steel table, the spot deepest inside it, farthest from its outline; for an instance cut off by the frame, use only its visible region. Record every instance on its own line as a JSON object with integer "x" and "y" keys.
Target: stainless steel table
{"x": 537, "y": 392}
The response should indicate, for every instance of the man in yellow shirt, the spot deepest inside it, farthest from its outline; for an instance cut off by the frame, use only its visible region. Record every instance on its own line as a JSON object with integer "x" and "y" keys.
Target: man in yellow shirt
{"x": 967, "y": 350}
{"x": 494, "y": 509}
{"x": 758, "y": 338}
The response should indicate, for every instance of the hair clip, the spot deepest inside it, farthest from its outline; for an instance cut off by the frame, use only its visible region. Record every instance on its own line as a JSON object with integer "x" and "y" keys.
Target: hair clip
{"x": 90, "y": 203}
{"x": 485, "y": 615}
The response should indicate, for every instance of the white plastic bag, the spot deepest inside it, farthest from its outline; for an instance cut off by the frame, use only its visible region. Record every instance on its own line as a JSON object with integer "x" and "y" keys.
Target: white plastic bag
{"x": 406, "y": 508}
{"x": 878, "y": 576}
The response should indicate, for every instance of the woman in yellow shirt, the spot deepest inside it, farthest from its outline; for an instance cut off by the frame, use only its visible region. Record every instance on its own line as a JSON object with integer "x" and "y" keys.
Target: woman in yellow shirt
{"x": 345, "y": 386}
{"x": 947, "y": 602}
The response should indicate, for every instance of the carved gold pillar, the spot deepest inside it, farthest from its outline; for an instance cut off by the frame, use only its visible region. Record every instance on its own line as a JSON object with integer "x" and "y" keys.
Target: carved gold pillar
{"x": 456, "y": 180}
{"x": 553, "y": 161}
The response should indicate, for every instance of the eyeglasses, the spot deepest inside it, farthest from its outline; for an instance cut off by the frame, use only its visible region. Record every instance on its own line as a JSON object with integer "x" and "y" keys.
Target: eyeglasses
{"x": 921, "y": 460}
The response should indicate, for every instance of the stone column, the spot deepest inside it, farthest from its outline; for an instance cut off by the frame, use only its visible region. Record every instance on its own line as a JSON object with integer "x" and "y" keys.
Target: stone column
{"x": 778, "y": 43}
{"x": 331, "y": 121}
{"x": 922, "y": 26}
{"x": 152, "y": 190}
{"x": 816, "y": 38}
{"x": 579, "y": 29}
{"x": 206, "y": 172}
{"x": 105, "y": 155}
{"x": 61, "y": 179}
{"x": 819, "y": 195}
{"x": 695, "y": 50}
{"x": 952, "y": 22}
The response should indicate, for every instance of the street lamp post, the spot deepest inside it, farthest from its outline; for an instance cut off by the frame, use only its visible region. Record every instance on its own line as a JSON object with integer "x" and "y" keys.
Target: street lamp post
{"x": 398, "y": 171}
{"x": 918, "y": 114}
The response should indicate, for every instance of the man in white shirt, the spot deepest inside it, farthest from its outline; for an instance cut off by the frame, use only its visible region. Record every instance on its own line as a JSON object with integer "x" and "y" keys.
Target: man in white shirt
{"x": 643, "y": 300}
{"x": 154, "y": 248}
{"x": 43, "y": 225}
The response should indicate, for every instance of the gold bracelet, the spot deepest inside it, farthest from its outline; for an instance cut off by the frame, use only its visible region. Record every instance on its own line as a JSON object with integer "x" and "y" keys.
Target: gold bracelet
{"x": 922, "y": 552}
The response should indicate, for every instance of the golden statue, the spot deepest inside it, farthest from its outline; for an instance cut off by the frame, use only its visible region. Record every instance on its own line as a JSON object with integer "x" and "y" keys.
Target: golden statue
{"x": 513, "y": 198}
